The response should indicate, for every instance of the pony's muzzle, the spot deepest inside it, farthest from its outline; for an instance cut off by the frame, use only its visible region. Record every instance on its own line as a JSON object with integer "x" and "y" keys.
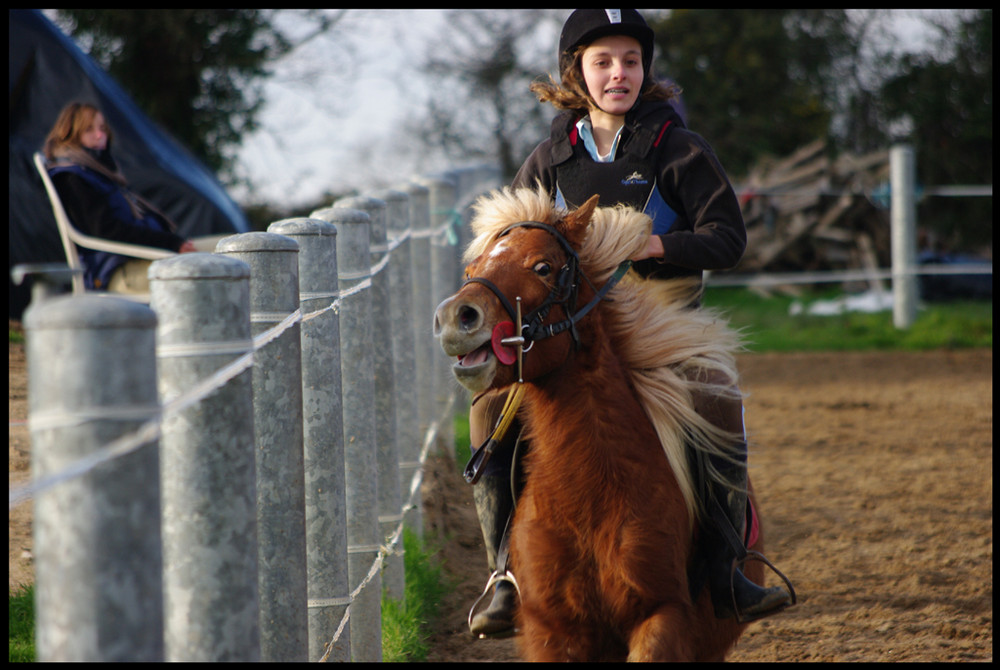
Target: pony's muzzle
{"x": 459, "y": 315}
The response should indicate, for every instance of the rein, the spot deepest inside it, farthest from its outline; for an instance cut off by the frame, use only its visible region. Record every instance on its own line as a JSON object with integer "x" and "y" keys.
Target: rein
{"x": 531, "y": 329}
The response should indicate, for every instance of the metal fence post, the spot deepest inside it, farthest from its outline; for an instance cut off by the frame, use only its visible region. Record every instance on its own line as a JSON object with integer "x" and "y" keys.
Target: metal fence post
{"x": 207, "y": 460}
{"x": 277, "y": 384}
{"x": 389, "y": 500}
{"x": 472, "y": 182}
{"x": 323, "y": 439}
{"x": 98, "y": 561}
{"x": 361, "y": 473}
{"x": 445, "y": 219}
{"x": 405, "y": 335}
{"x": 423, "y": 303}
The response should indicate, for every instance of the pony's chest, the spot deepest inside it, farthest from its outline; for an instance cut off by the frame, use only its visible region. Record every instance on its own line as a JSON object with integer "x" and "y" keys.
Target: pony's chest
{"x": 588, "y": 493}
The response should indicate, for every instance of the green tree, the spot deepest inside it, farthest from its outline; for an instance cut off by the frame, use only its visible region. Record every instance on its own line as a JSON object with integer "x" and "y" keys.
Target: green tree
{"x": 196, "y": 72}
{"x": 942, "y": 100}
{"x": 754, "y": 82}
{"x": 768, "y": 81}
{"x": 479, "y": 105}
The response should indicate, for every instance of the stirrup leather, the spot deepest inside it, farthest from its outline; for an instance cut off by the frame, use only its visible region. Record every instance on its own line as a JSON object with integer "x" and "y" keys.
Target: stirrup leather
{"x": 732, "y": 538}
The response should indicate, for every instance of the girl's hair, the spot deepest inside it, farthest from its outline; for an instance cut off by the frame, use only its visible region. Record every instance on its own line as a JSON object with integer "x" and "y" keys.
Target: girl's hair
{"x": 572, "y": 93}
{"x": 73, "y": 120}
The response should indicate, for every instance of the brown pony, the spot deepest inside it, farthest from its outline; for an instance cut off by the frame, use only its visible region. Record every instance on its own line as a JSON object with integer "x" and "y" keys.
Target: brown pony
{"x": 603, "y": 537}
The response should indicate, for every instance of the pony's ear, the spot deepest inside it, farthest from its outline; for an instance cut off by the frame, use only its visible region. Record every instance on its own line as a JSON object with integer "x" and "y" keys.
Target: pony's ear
{"x": 578, "y": 219}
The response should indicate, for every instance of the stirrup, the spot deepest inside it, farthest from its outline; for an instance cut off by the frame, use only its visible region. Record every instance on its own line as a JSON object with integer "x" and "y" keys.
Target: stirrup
{"x": 738, "y": 564}
{"x": 494, "y": 578}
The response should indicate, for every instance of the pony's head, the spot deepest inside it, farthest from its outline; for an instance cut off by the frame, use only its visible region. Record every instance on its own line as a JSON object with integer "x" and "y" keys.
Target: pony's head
{"x": 529, "y": 257}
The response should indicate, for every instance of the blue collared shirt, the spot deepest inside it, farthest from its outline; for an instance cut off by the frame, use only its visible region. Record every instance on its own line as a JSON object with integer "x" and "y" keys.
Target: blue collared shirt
{"x": 586, "y": 131}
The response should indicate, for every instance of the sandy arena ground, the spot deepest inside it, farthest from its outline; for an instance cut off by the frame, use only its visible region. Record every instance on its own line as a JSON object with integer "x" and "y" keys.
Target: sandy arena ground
{"x": 874, "y": 472}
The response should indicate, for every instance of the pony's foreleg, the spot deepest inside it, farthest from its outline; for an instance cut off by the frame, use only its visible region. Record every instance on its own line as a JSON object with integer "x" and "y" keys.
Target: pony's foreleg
{"x": 547, "y": 646}
{"x": 664, "y": 636}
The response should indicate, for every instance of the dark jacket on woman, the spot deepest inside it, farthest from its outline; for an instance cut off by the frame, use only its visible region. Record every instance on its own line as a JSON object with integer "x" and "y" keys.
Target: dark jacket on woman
{"x": 102, "y": 206}
{"x": 660, "y": 167}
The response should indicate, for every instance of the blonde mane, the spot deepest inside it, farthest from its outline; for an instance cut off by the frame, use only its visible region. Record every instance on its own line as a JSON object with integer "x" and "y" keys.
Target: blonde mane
{"x": 669, "y": 349}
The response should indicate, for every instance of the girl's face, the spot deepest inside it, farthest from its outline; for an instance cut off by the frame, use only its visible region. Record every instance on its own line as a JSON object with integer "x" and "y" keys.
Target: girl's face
{"x": 612, "y": 70}
{"x": 95, "y": 135}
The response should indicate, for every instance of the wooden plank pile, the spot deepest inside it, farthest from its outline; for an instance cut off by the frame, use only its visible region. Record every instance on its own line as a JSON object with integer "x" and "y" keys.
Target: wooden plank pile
{"x": 810, "y": 212}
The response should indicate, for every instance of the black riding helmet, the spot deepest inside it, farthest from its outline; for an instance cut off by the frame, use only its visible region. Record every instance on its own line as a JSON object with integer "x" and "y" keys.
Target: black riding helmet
{"x": 586, "y": 25}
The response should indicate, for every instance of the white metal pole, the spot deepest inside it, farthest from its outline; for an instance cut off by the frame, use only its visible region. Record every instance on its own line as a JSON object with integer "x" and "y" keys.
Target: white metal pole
{"x": 904, "y": 245}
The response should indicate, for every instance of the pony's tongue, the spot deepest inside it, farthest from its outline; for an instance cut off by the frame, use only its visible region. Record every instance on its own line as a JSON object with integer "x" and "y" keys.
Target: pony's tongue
{"x": 475, "y": 357}
{"x": 506, "y": 355}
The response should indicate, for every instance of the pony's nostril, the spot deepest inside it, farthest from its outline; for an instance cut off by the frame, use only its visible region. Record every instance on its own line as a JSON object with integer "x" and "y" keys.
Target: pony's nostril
{"x": 468, "y": 317}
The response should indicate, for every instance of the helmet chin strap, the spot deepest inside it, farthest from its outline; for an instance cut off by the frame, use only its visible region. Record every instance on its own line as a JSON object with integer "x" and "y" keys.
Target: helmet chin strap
{"x": 638, "y": 99}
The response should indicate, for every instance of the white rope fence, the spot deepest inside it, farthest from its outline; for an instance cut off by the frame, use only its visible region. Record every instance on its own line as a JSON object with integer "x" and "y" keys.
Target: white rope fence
{"x": 154, "y": 416}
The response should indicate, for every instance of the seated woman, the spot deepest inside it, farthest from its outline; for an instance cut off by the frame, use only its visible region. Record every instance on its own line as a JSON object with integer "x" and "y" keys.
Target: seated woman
{"x": 97, "y": 199}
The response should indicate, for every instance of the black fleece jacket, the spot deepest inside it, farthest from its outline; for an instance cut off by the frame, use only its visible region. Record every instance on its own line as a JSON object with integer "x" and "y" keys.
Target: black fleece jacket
{"x": 709, "y": 233}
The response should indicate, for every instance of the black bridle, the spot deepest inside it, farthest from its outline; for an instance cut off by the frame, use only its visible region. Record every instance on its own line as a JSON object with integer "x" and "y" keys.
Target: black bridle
{"x": 564, "y": 292}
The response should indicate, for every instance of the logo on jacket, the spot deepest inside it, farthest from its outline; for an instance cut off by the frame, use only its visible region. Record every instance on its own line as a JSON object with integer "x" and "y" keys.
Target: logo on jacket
{"x": 634, "y": 178}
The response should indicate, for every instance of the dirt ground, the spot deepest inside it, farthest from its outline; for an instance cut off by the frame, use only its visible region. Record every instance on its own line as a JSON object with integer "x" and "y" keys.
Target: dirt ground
{"x": 874, "y": 473}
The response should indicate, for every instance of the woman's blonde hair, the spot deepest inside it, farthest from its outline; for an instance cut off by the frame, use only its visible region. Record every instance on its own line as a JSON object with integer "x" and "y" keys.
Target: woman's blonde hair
{"x": 572, "y": 93}
{"x": 73, "y": 120}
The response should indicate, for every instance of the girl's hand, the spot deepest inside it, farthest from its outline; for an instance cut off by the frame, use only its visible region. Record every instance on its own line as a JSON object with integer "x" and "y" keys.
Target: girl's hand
{"x": 653, "y": 249}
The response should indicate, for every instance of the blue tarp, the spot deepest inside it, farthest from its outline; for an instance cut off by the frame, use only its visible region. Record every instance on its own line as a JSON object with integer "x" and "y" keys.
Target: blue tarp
{"x": 47, "y": 71}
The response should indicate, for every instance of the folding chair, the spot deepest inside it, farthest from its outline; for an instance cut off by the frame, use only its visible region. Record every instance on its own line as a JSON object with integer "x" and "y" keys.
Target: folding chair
{"x": 72, "y": 238}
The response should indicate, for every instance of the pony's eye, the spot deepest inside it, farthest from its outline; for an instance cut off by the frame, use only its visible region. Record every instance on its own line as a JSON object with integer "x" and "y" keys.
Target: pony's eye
{"x": 542, "y": 269}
